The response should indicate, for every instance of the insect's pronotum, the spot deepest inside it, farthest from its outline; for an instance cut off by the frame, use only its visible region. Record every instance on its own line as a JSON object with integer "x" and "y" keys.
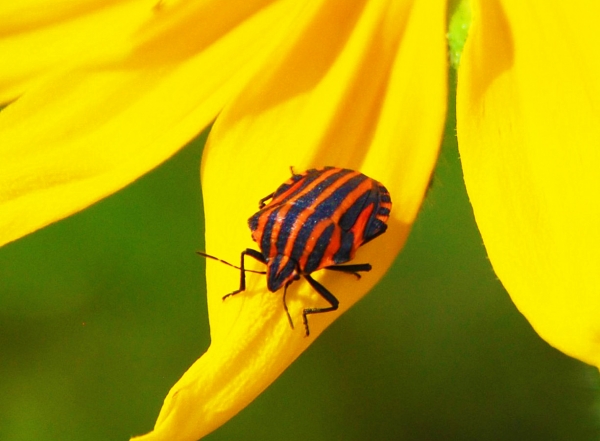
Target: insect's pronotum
{"x": 315, "y": 220}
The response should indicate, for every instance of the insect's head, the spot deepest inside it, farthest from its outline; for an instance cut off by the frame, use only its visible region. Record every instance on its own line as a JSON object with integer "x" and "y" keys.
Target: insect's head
{"x": 280, "y": 270}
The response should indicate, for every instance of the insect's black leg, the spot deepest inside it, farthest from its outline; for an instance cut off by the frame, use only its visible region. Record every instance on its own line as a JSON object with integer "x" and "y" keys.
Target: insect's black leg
{"x": 351, "y": 269}
{"x": 262, "y": 202}
{"x": 333, "y": 301}
{"x": 252, "y": 253}
{"x": 285, "y": 304}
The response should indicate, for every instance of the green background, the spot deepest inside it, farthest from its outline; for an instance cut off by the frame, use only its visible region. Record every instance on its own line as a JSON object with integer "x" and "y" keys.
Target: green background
{"x": 101, "y": 313}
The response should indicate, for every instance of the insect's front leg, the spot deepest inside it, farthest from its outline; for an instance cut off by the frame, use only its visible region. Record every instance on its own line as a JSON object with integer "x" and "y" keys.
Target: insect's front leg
{"x": 324, "y": 292}
{"x": 252, "y": 253}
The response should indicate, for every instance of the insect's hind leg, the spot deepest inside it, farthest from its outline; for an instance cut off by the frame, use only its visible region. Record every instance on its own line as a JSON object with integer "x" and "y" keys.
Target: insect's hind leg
{"x": 351, "y": 269}
{"x": 333, "y": 301}
{"x": 263, "y": 201}
{"x": 247, "y": 252}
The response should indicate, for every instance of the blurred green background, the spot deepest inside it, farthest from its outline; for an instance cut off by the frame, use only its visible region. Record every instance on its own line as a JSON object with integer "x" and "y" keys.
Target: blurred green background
{"x": 101, "y": 313}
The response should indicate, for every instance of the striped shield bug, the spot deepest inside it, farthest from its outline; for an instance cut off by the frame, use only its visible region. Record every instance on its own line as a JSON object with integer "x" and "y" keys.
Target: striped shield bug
{"x": 315, "y": 220}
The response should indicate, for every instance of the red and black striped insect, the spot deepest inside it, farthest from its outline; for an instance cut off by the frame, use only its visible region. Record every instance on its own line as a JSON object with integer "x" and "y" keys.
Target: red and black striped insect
{"x": 315, "y": 220}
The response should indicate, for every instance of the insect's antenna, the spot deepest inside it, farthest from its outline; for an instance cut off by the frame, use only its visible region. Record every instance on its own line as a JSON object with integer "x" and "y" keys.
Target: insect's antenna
{"x": 208, "y": 256}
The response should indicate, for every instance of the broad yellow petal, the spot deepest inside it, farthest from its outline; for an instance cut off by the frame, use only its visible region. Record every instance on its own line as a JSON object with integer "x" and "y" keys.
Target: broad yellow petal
{"x": 90, "y": 130}
{"x": 529, "y": 134}
{"x": 359, "y": 85}
{"x": 39, "y": 36}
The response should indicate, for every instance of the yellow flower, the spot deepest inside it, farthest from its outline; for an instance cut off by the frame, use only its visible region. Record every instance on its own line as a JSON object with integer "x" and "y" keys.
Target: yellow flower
{"x": 360, "y": 85}
{"x": 528, "y": 117}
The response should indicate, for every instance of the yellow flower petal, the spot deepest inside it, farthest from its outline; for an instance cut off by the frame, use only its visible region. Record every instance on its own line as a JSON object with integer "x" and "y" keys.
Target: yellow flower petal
{"x": 87, "y": 132}
{"x": 38, "y": 36}
{"x": 529, "y": 133}
{"x": 357, "y": 85}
